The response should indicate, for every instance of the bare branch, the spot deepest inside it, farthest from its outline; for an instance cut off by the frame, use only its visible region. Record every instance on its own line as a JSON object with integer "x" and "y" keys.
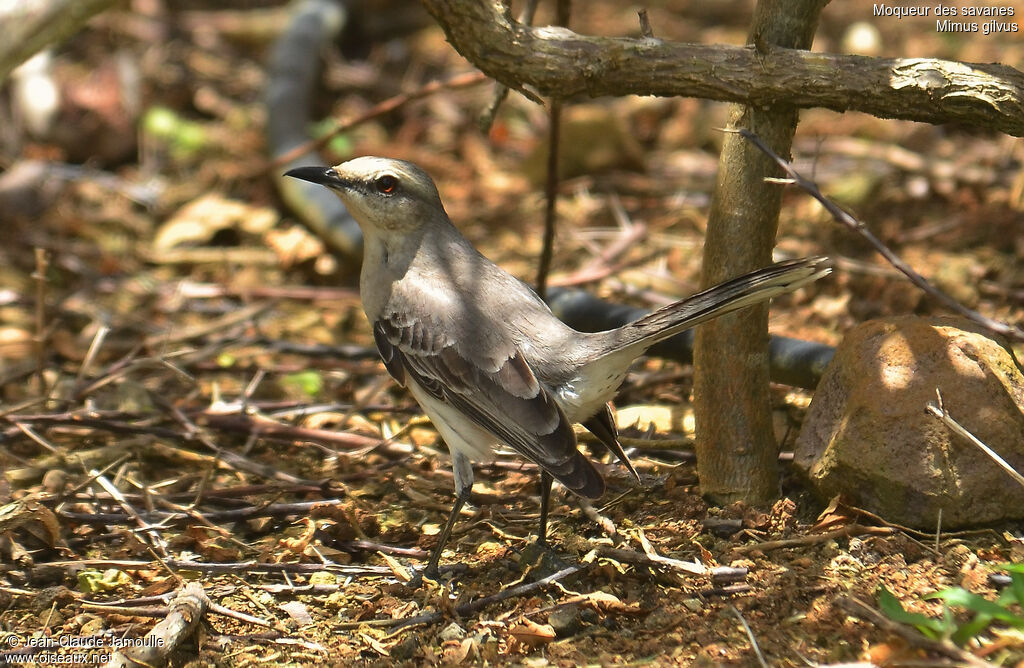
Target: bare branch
{"x": 30, "y": 27}
{"x": 561, "y": 63}
{"x": 844, "y": 218}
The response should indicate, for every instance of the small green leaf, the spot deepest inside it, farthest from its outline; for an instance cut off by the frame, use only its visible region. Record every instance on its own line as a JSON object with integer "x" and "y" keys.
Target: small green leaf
{"x": 890, "y": 605}
{"x": 308, "y": 382}
{"x": 92, "y": 581}
{"x": 185, "y": 137}
{"x": 160, "y": 122}
{"x": 971, "y": 629}
{"x": 973, "y": 602}
{"x": 1017, "y": 587}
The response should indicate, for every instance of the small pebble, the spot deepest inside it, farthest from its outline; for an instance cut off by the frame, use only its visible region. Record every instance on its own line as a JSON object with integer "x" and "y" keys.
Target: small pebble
{"x": 566, "y": 621}
{"x": 452, "y": 632}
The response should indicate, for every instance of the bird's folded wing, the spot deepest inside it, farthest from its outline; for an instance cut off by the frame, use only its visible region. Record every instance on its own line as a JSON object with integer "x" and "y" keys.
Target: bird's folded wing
{"x": 506, "y": 399}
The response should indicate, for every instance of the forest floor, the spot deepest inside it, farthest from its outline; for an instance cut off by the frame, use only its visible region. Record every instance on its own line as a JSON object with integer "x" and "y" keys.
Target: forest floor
{"x": 206, "y": 364}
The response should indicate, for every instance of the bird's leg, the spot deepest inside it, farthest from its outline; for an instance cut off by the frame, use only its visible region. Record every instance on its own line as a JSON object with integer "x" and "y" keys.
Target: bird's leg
{"x": 539, "y": 554}
{"x": 463, "y": 470}
{"x": 545, "y": 496}
{"x": 431, "y": 571}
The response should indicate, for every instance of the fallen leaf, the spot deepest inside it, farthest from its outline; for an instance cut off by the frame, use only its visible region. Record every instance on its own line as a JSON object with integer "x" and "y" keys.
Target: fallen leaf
{"x": 199, "y": 220}
{"x": 531, "y": 634}
{"x": 298, "y": 612}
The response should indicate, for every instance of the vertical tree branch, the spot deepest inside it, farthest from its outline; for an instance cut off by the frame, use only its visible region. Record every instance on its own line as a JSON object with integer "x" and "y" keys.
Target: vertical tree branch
{"x": 736, "y": 450}
{"x": 563, "y": 10}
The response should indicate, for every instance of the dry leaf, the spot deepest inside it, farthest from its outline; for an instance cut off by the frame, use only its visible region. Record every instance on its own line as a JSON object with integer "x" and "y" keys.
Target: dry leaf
{"x": 298, "y": 545}
{"x": 31, "y": 516}
{"x": 532, "y": 634}
{"x": 199, "y": 220}
{"x": 663, "y": 419}
{"x": 400, "y": 571}
{"x": 374, "y": 644}
{"x": 456, "y": 652}
{"x": 298, "y": 612}
{"x": 294, "y": 245}
{"x": 15, "y": 343}
{"x": 605, "y": 602}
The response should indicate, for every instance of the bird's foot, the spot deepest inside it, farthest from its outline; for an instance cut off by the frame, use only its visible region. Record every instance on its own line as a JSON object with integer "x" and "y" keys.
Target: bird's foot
{"x": 434, "y": 578}
{"x": 417, "y": 580}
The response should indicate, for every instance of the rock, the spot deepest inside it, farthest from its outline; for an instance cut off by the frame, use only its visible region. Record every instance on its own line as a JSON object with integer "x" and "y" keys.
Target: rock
{"x": 867, "y": 435}
{"x": 661, "y": 619}
{"x": 406, "y": 649}
{"x": 452, "y": 632}
{"x": 693, "y": 604}
{"x": 566, "y": 621}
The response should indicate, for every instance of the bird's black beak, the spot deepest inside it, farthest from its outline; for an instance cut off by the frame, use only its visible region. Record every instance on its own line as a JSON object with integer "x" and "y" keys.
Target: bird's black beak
{"x": 324, "y": 176}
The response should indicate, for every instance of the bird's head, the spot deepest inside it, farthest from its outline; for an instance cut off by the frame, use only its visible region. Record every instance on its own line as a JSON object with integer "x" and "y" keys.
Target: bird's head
{"x": 381, "y": 194}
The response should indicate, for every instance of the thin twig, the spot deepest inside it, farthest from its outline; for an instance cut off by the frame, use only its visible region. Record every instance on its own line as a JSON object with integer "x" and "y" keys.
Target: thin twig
{"x": 487, "y": 117}
{"x": 460, "y": 81}
{"x": 750, "y": 635}
{"x": 550, "y": 198}
{"x": 264, "y": 427}
{"x": 185, "y": 613}
{"x": 551, "y": 184}
{"x": 28, "y": 431}
{"x": 689, "y": 568}
{"x": 243, "y": 316}
{"x": 90, "y": 354}
{"x": 645, "y": 24}
{"x": 230, "y": 568}
{"x": 940, "y": 412}
{"x": 803, "y": 541}
{"x": 165, "y": 517}
{"x": 606, "y": 524}
{"x": 39, "y": 276}
{"x": 472, "y": 607}
{"x": 844, "y": 218}
{"x": 605, "y": 261}
{"x": 155, "y": 538}
{"x": 728, "y": 590}
{"x": 189, "y": 289}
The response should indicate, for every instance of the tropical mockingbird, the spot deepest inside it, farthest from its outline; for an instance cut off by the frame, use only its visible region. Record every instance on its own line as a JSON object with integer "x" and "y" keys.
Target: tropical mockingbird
{"x": 482, "y": 354}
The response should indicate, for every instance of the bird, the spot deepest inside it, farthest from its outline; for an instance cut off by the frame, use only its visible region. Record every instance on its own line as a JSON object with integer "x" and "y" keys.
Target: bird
{"x": 480, "y": 351}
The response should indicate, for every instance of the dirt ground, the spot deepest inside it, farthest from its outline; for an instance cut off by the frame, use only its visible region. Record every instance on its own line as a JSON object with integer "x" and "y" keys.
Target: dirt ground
{"x": 207, "y": 405}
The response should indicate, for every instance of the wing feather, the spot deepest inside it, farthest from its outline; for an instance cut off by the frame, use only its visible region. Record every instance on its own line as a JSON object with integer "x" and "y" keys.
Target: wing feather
{"x": 508, "y": 402}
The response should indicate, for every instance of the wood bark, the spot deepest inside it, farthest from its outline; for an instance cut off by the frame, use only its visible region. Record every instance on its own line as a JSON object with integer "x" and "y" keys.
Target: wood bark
{"x": 558, "y": 62}
{"x": 737, "y": 456}
{"x": 32, "y": 25}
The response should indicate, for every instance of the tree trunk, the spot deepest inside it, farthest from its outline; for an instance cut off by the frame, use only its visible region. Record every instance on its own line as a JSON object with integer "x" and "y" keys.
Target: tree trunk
{"x": 736, "y": 451}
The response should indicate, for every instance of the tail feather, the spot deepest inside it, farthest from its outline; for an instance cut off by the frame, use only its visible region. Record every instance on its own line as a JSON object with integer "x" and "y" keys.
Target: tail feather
{"x": 740, "y": 292}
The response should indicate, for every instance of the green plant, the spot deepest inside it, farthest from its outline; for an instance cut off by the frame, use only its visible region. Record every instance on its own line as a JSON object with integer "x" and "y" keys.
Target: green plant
{"x": 985, "y": 611}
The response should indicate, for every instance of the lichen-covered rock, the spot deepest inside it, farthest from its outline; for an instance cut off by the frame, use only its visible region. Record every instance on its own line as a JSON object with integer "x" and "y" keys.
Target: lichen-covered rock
{"x": 867, "y": 435}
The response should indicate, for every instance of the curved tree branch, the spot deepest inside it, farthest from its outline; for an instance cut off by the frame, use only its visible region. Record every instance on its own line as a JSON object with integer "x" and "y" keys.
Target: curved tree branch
{"x": 561, "y": 63}
{"x": 33, "y": 25}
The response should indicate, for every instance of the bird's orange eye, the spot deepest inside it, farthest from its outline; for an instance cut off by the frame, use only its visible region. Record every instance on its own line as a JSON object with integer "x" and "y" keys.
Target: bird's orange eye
{"x": 386, "y": 184}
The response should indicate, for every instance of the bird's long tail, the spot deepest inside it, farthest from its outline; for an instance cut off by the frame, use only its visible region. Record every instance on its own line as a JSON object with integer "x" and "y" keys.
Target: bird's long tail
{"x": 734, "y": 294}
